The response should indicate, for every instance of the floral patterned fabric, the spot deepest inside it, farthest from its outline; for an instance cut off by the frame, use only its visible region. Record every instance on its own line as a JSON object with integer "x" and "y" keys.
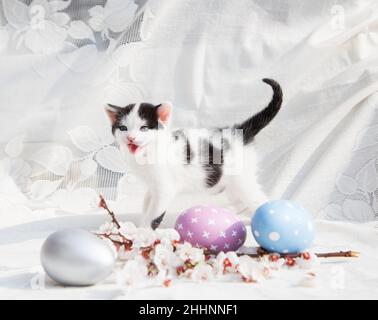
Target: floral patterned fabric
{"x": 62, "y": 60}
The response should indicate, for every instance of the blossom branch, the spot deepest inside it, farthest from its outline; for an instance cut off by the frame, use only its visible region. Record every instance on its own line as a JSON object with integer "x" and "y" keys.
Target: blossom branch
{"x": 340, "y": 254}
{"x": 159, "y": 257}
{"x": 346, "y": 254}
{"x": 119, "y": 240}
{"x": 103, "y": 205}
{"x": 109, "y": 236}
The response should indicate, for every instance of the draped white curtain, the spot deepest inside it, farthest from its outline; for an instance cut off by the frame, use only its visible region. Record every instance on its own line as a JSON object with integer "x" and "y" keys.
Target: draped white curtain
{"x": 61, "y": 61}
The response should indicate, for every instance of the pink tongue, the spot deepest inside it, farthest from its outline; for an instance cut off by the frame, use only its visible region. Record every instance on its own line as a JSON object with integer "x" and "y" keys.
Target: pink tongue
{"x": 133, "y": 148}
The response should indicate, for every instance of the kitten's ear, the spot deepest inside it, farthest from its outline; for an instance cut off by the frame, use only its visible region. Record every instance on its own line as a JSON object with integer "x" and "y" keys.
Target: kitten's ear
{"x": 112, "y": 111}
{"x": 164, "y": 112}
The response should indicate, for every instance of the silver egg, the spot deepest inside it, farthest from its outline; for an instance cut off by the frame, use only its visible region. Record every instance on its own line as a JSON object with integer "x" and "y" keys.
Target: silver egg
{"x": 76, "y": 257}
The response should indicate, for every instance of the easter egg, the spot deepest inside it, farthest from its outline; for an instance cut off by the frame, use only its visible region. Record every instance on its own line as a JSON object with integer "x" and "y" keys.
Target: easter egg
{"x": 76, "y": 257}
{"x": 283, "y": 226}
{"x": 216, "y": 229}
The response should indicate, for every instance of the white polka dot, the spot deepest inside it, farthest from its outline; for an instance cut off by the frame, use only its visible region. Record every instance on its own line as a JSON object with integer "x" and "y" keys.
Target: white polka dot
{"x": 274, "y": 236}
{"x": 310, "y": 226}
{"x": 257, "y": 234}
{"x": 285, "y": 251}
{"x": 271, "y": 248}
{"x": 289, "y": 205}
{"x": 296, "y": 232}
{"x": 271, "y": 211}
{"x": 287, "y": 218}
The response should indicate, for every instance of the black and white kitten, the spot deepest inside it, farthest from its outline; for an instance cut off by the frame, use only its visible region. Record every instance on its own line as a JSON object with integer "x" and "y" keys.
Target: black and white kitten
{"x": 172, "y": 161}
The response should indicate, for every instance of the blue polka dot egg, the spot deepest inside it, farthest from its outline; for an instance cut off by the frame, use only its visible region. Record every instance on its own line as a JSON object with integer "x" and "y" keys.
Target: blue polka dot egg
{"x": 283, "y": 226}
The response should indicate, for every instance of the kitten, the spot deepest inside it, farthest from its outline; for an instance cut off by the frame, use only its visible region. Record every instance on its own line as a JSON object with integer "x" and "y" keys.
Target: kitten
{"x": 172, "y": 161}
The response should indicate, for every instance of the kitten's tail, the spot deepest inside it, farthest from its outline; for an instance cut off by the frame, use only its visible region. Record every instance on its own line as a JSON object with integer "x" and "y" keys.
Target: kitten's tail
{"x": 252, "y": 126}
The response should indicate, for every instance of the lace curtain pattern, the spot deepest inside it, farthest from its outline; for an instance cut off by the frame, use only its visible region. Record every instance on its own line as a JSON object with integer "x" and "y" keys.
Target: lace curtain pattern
{"x": 41, "y": 177}
{"x": 63, "y": 60}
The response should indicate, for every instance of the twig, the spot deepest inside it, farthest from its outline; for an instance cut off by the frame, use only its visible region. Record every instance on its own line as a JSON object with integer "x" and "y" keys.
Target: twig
{"x": 103, "y": 204}
{"x": 346, "y": 254}
{"x": 108, "y": 236}
{"x": 340, "y": 254}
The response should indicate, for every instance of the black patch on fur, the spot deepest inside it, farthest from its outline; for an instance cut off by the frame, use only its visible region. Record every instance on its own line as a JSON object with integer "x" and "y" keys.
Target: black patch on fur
{"x": 224, "y": 143}
{"x": 122, "y": 112}
{"x": 252, "y": 126}
{"x": 188, "y": 151}
{"x": 213, "y": 175}
{"x": 148, "y": 112}
{"x": 214, "y": 166}
{"x": 225, "y": 147}
{"x": 157, "y": 222}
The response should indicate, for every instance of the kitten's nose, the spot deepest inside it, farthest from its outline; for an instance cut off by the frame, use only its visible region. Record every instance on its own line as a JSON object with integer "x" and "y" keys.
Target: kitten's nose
{"x": 131, "y": 139}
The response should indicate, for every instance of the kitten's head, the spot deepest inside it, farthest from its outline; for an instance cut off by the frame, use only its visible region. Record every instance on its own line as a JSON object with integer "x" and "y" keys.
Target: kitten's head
{"x": 136, "y": 124}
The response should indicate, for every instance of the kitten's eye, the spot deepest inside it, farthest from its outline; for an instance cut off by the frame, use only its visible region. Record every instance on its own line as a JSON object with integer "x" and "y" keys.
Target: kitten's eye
{"x": 143, "y": 128}
{"x": 122, "y": 128}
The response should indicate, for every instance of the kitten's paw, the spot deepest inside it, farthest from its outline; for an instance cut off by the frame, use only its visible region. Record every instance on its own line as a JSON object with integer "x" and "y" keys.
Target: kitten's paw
{"x": 157, "y": 221}
{"x": 148, "y": 222}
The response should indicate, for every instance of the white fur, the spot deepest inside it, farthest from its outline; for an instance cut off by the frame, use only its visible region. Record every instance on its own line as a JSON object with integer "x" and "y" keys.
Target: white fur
{"x": 166, "y": 176}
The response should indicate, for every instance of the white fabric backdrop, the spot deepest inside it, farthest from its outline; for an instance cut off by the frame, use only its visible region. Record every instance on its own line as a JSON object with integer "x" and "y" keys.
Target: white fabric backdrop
{"x": 62, "y": 60}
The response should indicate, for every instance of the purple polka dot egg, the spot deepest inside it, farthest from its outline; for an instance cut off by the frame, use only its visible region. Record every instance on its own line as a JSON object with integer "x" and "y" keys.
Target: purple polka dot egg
{"x": 216, "y": 229}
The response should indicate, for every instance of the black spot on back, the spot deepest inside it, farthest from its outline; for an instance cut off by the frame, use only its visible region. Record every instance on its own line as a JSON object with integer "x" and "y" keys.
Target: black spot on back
{"x": 188, "y": 151}
{"x": 214, "y": 164}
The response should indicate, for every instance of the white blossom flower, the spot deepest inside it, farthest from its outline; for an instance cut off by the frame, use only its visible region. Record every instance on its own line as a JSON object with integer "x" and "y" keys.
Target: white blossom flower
{"x": 124, "y": 255}
{"x": 144, "y": 238}
{"x": 167, "y": 243}
{"x": 108, "y": 228}
{"x": 250, "y": 269}
{"x": 167, "y": 235}
{"x": 134, "y": 273}
{"x": 273, "y": 264}
{"x": 310, "y": 261}
{"x": 226, "y": 262}
{"x": 128, "y": 230}
{"x": 187, "y": 252}
{"x": 154, "y": 259}
{"x": 165, "y": 260}
{"x": 270, "y": 267}
{"x": 202, "y": 272}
